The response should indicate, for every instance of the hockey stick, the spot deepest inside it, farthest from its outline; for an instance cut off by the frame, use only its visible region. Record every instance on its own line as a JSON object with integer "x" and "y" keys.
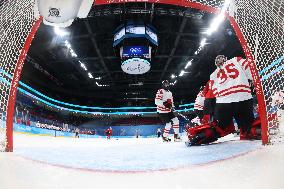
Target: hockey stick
{"x": 180, "y": 115}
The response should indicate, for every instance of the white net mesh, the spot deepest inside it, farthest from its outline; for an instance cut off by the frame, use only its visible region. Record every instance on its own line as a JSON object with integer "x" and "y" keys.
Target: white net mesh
{"x": 260, "y": 21}
{"x": 16, "y": 21}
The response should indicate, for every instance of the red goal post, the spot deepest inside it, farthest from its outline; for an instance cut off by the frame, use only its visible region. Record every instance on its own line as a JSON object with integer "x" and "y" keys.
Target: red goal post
{"x": 258, "y": 25}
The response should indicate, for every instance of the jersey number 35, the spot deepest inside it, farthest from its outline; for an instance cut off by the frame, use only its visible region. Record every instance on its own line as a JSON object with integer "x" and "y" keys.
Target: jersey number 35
{"x": 229, "y": 71}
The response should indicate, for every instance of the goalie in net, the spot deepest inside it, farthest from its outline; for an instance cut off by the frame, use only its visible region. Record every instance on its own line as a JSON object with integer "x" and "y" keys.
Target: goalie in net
{"x": 231, "y": 86}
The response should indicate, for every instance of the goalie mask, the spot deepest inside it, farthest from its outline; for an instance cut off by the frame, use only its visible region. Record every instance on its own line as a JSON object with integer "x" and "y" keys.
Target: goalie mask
{"x": 166, "y": 84}
{"x": 220, "y": 60}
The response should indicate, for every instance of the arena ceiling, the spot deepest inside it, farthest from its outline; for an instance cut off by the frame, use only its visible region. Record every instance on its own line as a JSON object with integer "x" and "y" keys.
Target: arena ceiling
{"x": 51, "y": 69}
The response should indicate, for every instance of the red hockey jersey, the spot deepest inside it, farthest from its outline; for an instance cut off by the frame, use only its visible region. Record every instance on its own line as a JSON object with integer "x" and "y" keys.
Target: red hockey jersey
{"x": 208, "y": 90}
{"x": 230, "y": 83}
{"x": 161, "y": 97}
{"x": 199, "y": 101}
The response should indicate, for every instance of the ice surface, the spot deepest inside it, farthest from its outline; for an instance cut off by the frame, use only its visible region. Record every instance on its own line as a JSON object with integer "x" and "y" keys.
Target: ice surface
{"x": 84, "y": 164}
{"x": 129, "y": 154}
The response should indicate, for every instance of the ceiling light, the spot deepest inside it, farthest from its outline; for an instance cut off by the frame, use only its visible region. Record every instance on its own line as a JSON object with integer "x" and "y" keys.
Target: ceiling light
{"x": 73, "y": 54}
{"x": 173, "y": 76}
{"x": 217, "y": 21}
{"x": 99, "y": 85}
{"x": 98, "y": 78}
{"x": 90, "y": 75}
{"x": 188, "y": 64}
{"x": 67, "y": 44}
{"x": 203, "y": 42}
{"x": 83, "y": 66}
{"x": 173, "y": 82}
{"x": 136, "y": 84}
{"x": 196, "y": 52}
{"x": 60, "y": 32}
{"x": 181, "y": 73}
{"x": 215, "y": 24}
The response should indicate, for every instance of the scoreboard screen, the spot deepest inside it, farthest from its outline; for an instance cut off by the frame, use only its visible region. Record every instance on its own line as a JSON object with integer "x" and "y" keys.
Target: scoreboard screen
{"x": 136, "y": 51}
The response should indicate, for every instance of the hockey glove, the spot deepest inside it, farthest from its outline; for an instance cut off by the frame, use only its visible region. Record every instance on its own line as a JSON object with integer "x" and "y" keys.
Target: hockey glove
{"x": 167, "y": 105}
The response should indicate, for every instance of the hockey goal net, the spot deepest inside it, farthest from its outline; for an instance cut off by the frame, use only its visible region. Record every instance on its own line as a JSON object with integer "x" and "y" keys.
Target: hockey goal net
{"x": 260, "y": 22}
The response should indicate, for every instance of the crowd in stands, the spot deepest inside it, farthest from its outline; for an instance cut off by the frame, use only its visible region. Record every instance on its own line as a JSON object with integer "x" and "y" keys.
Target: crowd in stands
{"x": 138, "y": 121}
{"x": 33, "y": 113}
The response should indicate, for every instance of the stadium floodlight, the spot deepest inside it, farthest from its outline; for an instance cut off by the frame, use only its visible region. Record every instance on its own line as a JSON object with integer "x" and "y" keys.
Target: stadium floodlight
{"x": 60, "y": 32}
{"x": 215, "y": 24}
{"x": 73, "y": 54}
{"x": 188, "y": 64}
{"x": 173, "y": 82}
{"x": 83, "y": 66}
{"x": 90, "y": 75}
{"x": 203, "y": 42}
{"x": 181, "y": 73}
{"x": 173, "y": 76}
{"x": 67, "y": 44}
{"x": 218, "y": 20}
{"x": 98, "y": 84}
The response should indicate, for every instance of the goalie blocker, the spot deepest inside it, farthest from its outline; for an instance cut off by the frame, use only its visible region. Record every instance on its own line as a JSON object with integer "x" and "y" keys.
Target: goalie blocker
{"x": 210, "y": 132}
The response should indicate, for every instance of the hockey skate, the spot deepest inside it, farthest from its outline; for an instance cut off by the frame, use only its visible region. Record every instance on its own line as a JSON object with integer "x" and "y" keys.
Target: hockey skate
{"x": 193, "y": 141}
{"x": 188, "y": 144}
{"x": 166, "y": 139}
{"x": 177, "y": 138}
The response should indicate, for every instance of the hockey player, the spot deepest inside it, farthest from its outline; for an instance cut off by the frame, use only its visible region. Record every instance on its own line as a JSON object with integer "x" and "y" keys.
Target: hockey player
{"x": 231, "y": 87}
{"x": 209, "y": 103}
{"x": 77, "y": 133}
{"x": 278, "y": 99}
{"x": 159, "y": 132}
{"x": 108, "y": 132}
{"x": 199, "y": 103}
{"x": 164, "y": 102}
{"x": 210, "y": 132}
{"x": 278, "y": 103}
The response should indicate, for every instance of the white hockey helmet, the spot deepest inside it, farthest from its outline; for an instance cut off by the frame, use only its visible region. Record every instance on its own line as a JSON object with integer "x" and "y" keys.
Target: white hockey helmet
{"x": 220, "y": 60}
{"x": 165, "y": 84}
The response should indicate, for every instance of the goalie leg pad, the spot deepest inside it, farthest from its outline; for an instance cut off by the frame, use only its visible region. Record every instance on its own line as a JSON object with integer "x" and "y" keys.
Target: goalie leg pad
{"x": 202, "y": 134}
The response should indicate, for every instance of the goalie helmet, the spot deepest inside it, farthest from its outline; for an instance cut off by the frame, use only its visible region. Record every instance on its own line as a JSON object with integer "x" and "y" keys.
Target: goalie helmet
{"x": 220, "y": 60}
{"x": 166, "y": 84}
